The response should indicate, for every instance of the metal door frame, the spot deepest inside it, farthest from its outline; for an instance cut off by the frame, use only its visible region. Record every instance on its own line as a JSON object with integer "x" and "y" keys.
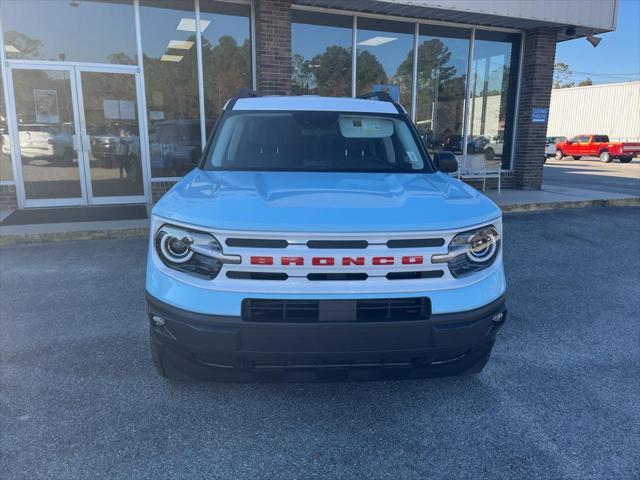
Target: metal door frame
{"x": 91, "y": 199}
{"x": 75, "y": 70}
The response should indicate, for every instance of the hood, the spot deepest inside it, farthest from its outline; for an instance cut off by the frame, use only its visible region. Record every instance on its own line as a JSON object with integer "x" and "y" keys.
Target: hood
{"x": 322, "y": 202}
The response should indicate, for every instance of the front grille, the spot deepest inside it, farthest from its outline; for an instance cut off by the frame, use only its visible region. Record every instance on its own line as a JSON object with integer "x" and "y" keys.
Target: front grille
{"x": 256, "y": 243}
{"x": 337, "y": 244}
{"x": 313, "y": 311}
{"x": 416, "y": 243}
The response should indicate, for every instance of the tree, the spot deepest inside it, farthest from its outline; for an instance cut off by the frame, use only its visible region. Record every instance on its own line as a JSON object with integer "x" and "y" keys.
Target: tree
{"x": 370, "y": 71}
{"x": 562, "y": 76}
{"x": 586, "y": 83}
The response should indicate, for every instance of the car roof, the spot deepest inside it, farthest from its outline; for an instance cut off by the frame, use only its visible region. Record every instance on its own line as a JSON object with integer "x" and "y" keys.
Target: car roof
{"x": 315, "y": 103}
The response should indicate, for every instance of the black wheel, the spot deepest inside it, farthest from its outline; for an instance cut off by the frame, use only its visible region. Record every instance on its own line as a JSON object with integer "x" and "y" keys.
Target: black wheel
{"x": 132, "y": 170}
{"x": 489, "y": 154}
{"x": 605, "y": 156}
{"x": 576, "y": 157}
{"x": 625, "y": 159}
{"x": 559, "y": 155}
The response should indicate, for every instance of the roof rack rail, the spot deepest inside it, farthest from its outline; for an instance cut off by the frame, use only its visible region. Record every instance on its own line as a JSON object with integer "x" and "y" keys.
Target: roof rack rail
{"x": 382, "y": 97}
{"x": 242, "y": 93}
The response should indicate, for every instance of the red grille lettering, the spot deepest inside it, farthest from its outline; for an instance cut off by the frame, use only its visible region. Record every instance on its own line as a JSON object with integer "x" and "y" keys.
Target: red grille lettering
{"x": 352, "y": 261}
{"x": 322, "y": 261}
{"x": 261, "y": 260}
{"x": 412, "y": 260}
{"x": 383, "y": 260}
{"x": 292, "y": 260}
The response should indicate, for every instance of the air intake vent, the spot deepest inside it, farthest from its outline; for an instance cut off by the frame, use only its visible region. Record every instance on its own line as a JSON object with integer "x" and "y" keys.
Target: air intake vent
{"x": 337, "y": 244}
{"x": 257, "y": 276}
{"x": 256, "y": 243}
{"x": 416, "y": 243}
{"x": 414, "y": 275}
{"x": 337, "y": 276}
{"x": 310, "y": 311}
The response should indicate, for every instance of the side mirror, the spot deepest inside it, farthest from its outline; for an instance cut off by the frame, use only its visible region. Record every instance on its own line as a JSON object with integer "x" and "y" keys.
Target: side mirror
{"x": 445, "y": 161}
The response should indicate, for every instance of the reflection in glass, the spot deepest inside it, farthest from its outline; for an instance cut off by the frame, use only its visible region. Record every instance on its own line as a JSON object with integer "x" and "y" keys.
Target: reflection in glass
{"x": 443, "y": 54}
{"x": 168, "y": 30}
{"x": 321, "y": 54}
{"x": 111, "y": 116}
{"x": 46, "y": 129}
{"x": 493, "y": 87}
{"x": 385, "y": 58}
{"x": 5, "y": 143}
{"x": 75, "y": 31}
{"x": 226, "y": 54}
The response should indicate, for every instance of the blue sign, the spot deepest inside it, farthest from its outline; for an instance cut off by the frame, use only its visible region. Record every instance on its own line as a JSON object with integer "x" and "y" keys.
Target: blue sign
{"x": 392, "y": 90}
{"x": 539, "y": 115}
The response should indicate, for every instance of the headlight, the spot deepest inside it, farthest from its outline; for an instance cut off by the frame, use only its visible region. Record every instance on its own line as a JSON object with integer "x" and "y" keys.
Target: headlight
{"x": 190, "y": 251}
{"x": 471, "y": 251}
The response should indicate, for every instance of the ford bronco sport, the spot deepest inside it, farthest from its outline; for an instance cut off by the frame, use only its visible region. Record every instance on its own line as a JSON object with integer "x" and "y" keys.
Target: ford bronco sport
{"x": 317, "y": 239}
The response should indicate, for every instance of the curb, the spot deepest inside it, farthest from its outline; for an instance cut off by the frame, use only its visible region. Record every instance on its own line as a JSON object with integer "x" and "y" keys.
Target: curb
{"x": 27, "y": 238}
{"x": 540, "y": 207}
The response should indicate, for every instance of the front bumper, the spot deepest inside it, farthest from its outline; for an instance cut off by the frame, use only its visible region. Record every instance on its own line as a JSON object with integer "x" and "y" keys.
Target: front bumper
{"x": 228, "y": 348}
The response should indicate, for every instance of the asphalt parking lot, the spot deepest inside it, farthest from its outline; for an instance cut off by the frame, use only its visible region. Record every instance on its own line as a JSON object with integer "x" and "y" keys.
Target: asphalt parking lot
{"x": 590, "y": 173}
{"x": 559, "y": 399}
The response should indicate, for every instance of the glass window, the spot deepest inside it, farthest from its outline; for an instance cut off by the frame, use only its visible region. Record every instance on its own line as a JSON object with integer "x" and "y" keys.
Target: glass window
{"x": 321, "y": 46}
{"x": 307, "y": 141}
{"x": 226, "y": 54}
{"x": 493, "y": 95}
{"x": 46, "y": 130}
{"x": 443, "y": 55}
{"x": 385, "y": 58}
{"x": 168, "y": 30}
{"x": 73, "y": 30}
{"x": 5, "y": 143}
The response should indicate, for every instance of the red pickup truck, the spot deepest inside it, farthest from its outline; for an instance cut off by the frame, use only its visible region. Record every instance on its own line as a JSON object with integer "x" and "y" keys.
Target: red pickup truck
{"x": 597, "y": 146}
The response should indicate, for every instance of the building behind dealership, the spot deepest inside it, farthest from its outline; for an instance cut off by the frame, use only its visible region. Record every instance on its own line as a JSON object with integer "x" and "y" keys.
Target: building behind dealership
{"x": 111, "y": 101}
{"x": 611, "y": 109}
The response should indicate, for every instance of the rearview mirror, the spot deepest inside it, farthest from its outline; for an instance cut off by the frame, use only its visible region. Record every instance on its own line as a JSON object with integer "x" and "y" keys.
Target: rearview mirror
{"x": 445, "y": 161}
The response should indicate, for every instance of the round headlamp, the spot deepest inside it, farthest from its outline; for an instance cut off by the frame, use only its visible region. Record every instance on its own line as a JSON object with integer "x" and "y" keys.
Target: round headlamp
{"x": 471, "y": 251}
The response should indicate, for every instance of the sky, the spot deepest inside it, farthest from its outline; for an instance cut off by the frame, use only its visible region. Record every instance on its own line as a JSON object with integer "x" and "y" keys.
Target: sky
{"x": 616, "y": 59}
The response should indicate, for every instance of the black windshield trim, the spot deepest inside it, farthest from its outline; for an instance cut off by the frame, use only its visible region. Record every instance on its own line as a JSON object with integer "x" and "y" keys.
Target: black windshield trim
{"x": 205, "y": 164}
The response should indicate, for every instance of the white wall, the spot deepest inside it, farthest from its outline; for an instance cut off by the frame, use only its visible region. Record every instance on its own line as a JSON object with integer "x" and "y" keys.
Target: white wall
{"x": 611, "y": 109}
{"x": 586, "y": 13}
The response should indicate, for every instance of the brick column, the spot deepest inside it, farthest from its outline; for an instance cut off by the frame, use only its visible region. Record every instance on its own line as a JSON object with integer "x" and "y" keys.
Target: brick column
{"x": 535, "y": 92}
{"x": 273, "y": 46}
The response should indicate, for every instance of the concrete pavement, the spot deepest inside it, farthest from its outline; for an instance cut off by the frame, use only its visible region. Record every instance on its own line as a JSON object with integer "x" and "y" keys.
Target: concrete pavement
{"x": 559, "y": 398}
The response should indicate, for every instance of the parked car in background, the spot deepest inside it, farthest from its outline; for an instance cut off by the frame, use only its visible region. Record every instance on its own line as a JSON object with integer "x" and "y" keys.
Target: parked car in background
{"x": 176, "y": 146}
{"x": 49, "y": 142}
{"x": 495, "y": 147}
{"x": 550, "y": 146}
{"x": 597, "y": 146}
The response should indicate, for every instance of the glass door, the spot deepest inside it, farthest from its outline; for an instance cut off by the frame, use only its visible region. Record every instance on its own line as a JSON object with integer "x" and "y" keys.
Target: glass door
{"x": 78, "y": 139}
{"x": 110, "y": 133}
{"x": 47, "y": 143}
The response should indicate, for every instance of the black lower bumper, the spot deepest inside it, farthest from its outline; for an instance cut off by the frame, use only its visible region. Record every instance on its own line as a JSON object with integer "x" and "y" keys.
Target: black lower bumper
{"x": 228, "y": 348}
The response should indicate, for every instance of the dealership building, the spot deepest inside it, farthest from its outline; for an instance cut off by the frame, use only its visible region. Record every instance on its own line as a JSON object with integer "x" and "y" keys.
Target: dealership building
{"x": 111, "y": 101}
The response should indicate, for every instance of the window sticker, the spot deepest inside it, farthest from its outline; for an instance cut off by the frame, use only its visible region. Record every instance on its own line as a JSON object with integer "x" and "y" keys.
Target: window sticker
{"x": 365, "y": 127}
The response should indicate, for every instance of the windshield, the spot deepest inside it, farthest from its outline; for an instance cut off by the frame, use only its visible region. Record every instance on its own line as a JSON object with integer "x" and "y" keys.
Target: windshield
{"x": 316, "y": 141}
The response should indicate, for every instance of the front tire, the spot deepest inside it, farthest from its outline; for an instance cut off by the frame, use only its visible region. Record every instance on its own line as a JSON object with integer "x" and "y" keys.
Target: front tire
{"x": 559, "y": 155}
{"x": 605, "y": 156}
{"x": 625, "y": 159}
